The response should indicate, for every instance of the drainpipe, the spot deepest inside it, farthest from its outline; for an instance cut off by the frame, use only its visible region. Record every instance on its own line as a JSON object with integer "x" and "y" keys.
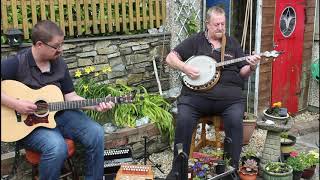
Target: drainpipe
{"x": 257, "y": 51}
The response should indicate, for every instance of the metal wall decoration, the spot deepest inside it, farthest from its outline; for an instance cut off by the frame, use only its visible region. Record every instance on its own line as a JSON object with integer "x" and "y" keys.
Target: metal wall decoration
{"x": 287, "y": 21}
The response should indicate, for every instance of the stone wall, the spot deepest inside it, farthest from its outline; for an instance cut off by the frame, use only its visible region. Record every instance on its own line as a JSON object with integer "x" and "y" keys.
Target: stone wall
{"x": 130, "y": 57}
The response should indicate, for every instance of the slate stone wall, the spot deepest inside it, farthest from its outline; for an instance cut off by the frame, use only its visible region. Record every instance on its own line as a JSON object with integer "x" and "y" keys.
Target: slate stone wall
{"x": 130, "y": 57}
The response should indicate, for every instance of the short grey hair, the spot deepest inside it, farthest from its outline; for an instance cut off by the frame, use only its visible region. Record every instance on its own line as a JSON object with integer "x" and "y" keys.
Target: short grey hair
{"x": 216, "y": 10}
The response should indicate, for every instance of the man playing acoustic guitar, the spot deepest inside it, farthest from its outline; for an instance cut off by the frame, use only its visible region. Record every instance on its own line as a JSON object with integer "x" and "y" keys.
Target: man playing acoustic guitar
{"x": 39, "y": 66}
{"x": 225, "y": 98}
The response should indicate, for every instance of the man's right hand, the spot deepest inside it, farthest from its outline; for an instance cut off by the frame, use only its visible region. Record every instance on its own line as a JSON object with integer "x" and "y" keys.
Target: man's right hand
{"x": 191, "y": 71}
{"x": 25, "y": 107}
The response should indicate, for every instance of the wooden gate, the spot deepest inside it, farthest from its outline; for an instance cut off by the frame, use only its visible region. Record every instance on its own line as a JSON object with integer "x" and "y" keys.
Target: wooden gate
{"x": 288, "y": 37}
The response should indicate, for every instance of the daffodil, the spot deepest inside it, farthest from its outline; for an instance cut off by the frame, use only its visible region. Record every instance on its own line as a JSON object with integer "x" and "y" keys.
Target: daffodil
{"x": 106, "y": 69}
{"x": 97, "y": 74}
{"x": 88, "y": 69}
{"x": 92, "y": 68}
{"x": 85, "y": 88}
{"x": 78, "y": 73}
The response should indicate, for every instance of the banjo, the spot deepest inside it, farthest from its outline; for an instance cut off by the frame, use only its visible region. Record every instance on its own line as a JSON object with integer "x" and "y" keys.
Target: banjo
{"x": 210, "y": 71}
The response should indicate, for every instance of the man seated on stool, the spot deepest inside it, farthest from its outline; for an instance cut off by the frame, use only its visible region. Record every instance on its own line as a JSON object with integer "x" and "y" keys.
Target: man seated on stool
{"x": 225, "y": 98}
{"x": 37, "y": 67}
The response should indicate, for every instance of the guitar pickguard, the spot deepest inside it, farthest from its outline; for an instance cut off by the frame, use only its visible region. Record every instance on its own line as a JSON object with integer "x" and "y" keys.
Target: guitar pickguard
{"x": 33, "y": 119}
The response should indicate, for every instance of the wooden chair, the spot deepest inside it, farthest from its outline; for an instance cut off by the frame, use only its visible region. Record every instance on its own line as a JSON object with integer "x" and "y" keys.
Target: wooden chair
{"x": 68, "y": 170}
{"x": 217, "y": 122}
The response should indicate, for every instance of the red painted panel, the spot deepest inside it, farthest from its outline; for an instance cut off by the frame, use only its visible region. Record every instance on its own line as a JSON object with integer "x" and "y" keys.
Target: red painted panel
{"x": 288, "y": 37}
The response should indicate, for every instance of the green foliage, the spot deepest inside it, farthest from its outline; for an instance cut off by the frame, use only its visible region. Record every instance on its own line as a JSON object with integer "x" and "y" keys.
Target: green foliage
{"x": 297, "y": 161}
{"x": 250, "y": 153}
{"x": 192, "y": 24}
{"x": 153, "y": 106}
{"x": 277, "y": 167}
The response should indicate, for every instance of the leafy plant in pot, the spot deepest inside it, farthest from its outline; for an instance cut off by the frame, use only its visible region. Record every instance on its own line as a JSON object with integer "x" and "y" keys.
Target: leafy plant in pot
{"x": 277, "y": 170}
{"x": 287, "y": 142}
{"x": 276, "y": 113}
{"x": 311, "y": 159}
{"x": 250, "y": 154}
{"x": 249, "y": 170}
{"x": 296, "y": 161}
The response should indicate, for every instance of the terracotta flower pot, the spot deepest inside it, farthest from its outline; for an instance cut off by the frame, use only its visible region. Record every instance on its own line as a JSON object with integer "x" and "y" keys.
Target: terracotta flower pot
{"x": 248, "y": 129}
{"x": 247, "y": 176}
{"x": 308, "y": 173}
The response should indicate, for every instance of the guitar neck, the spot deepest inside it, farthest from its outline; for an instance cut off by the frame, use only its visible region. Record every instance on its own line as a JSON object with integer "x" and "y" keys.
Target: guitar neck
{"x": 234, "y": 60}
{"x": 56, "y": 106}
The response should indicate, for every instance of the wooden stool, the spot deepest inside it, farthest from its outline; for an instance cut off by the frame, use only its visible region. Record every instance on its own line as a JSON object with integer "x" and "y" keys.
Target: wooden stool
{"x": 34, "y": 158}
{"x": 217, "y": 122}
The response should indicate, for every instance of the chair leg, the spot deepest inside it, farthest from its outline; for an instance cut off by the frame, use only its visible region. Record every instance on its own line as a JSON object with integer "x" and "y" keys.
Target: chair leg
{"x": 34, "y": 173}
{"x": 72, "y": 169}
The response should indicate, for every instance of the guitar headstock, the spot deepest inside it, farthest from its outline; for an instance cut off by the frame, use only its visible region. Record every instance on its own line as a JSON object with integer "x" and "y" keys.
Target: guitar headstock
{"x": 272, "y": 53}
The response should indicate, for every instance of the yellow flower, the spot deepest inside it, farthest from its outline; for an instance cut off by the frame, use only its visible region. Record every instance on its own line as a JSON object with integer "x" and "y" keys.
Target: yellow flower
{"x": 277, "y": 104}
{"x": 85, "y": 88}
{"x": 106, "y": 69}
{"x": 92, "y": 68}
{"x": 97, "y": 74}
{"x": 88, "y": 69}
{"x": 314, "y": 153}
{"x": 78, "y": 73}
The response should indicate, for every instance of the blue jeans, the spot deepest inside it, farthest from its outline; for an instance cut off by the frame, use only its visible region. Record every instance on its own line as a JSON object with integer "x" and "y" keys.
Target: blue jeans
{"x": 72, "y": 124}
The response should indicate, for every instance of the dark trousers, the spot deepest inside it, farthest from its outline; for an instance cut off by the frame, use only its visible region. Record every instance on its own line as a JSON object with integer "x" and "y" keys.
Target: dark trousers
{"x": 192, "y": 107}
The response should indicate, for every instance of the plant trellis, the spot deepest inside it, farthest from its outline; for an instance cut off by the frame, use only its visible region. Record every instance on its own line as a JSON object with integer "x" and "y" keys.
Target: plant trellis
{"x": 185, "y": 11}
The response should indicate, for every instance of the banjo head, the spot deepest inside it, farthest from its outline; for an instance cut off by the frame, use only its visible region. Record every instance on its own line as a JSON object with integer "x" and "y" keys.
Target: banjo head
{"x": 207, "y": 68}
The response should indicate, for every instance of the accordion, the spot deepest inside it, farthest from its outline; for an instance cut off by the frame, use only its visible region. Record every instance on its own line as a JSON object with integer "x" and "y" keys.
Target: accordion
{"x": 135, "y": 172}
{"x": 113, "y": 158}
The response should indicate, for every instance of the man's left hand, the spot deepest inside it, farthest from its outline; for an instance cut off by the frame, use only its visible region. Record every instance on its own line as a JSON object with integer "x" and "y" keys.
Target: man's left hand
{"x": 104, "y": 106}
{"x": 253, "y": 61}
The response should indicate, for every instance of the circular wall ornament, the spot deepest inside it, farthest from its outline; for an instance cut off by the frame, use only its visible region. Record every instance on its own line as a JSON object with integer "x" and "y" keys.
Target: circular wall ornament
{"x": 288, "y": 21}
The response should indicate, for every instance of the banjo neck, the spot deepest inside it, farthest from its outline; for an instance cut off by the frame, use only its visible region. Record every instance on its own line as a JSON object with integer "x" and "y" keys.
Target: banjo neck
{"x": 231, "y": 61}
{"x": 236, "y": 60}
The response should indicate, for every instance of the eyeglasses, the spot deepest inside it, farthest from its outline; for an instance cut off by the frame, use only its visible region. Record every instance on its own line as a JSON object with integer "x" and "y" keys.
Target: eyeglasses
{"x": 56, "y": 48}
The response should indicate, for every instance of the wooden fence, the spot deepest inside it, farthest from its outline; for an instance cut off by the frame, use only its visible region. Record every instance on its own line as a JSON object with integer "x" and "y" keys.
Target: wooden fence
{"x": 84, "y": 17}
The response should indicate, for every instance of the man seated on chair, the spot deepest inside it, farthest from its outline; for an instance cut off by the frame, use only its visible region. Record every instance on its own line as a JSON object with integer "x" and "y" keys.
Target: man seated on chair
{"x": 37, "y": 67}
{"x": 225, "y": 98}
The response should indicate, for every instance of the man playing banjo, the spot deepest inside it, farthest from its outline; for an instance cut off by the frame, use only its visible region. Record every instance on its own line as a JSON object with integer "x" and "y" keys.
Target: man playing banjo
{"x": 225, "y": 97}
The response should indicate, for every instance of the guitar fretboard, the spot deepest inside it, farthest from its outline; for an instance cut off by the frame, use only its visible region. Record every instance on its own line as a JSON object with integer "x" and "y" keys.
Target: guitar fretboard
{"x": 56, "y": 106}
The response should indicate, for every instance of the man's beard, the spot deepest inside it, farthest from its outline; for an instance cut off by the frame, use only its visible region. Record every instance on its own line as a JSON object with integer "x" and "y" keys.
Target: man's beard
{"x": 219, "y": 34}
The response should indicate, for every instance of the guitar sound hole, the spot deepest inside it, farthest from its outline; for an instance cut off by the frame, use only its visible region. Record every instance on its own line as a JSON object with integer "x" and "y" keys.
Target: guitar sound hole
{"x": 42, "y": 108}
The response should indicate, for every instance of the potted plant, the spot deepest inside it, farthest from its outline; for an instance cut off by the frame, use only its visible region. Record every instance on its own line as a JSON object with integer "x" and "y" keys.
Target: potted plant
{"x": 276, "y": 113}
{"x": 287, "y": 142}
{"x": 311, "y": 159}
{"x": 296, "y": 161}
{"x": 249, "y": 124}
{"x": 250, "y": 154}
{"x": 277, "y": 170}
{"x": 249, "y": 170}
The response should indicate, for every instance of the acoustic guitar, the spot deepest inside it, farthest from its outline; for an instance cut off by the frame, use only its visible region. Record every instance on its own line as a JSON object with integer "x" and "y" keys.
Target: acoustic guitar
{"x": 49, "y": 100}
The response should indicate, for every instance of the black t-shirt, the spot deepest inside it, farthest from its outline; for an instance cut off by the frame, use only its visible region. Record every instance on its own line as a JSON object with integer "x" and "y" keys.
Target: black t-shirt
{"x": 230, "y": 84}
{"x": 25, "y": 70}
